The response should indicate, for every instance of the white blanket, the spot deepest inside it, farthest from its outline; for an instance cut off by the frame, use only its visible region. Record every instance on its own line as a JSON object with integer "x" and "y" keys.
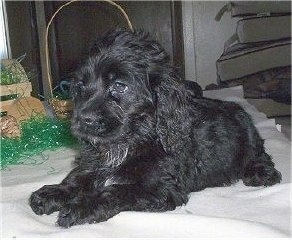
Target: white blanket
{"x": 235, "y": 211}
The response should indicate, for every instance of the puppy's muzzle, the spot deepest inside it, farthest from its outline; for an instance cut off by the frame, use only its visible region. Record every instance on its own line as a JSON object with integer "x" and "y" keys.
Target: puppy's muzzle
{"x": 96, "y": 123}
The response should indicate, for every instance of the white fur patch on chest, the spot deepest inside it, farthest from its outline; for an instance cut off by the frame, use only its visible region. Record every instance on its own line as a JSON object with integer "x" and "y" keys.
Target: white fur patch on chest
{"x": 116, "y": 154}
{"x": 115, "y": 180}
{"x": 110, "y": 181}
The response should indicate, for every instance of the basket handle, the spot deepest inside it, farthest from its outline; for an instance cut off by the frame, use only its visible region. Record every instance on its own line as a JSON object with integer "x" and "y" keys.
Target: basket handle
{"x": 50, "y": 22}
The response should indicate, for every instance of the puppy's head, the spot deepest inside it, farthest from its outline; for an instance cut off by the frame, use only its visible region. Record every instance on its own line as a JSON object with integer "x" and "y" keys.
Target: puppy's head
{"x": 112, "y": 91}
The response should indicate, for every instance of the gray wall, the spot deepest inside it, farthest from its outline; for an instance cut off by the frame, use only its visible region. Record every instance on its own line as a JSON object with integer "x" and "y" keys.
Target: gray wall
{"x": 204, "y": 39}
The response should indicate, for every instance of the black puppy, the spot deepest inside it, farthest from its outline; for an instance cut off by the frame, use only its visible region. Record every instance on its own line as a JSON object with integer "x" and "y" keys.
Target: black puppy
{"x": 147, "y": 142}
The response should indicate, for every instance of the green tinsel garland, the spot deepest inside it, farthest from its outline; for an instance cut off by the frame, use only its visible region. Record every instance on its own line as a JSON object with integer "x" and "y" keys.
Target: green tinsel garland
{"x": 39, "y": 133}
{"x": 8, "y": 77}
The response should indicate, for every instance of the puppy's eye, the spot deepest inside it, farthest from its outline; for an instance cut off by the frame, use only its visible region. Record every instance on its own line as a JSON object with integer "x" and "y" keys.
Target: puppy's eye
{"x": 119, "y": 87}
{"x": 79, "y": 86}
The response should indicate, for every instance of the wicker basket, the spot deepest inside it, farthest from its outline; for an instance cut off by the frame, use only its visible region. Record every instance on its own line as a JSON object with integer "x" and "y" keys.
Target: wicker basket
{"x": 62, "y": 108}
{"x": 16, "y": 98}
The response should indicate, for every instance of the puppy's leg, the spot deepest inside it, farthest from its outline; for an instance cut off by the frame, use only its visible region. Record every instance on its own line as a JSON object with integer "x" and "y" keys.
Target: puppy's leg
{"x": 51, "y": 198}
{"x": 112, "y": 200}
{"x": 261, "y": 172}
{"x": 48, "y": 199}
{"x": 258, "y": 168}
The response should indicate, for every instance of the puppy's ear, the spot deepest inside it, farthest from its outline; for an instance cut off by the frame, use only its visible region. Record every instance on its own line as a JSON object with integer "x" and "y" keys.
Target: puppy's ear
{"x": 171, "y": 114}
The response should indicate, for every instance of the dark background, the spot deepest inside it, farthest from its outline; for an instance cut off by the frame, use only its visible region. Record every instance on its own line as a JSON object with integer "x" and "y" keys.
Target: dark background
{"x": 77, "y": 26}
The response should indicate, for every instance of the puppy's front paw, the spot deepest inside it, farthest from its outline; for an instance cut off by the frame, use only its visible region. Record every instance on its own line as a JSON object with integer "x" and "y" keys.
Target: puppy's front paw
{"x": 47, "y": 199}
{"x": 75, "y": 215}
{"x": 83, "y": 210}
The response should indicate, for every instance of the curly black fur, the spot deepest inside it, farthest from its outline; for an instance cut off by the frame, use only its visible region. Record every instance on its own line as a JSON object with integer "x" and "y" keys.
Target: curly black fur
{"x": 148, "y": 139}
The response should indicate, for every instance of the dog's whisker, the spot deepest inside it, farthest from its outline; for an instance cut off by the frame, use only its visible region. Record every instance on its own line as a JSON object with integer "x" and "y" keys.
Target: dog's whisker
{"x": 120, "y": 111}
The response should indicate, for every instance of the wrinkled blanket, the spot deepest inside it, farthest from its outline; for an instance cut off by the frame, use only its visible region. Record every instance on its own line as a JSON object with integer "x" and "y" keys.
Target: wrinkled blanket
{"x": 235, "y": 211}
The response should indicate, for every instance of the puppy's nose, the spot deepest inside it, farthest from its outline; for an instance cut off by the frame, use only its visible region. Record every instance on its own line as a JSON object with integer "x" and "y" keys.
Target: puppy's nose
{"x": 89, "y": 119}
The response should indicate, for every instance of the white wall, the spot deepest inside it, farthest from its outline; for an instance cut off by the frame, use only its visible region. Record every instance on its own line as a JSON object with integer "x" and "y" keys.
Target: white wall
{"x": 4, "y": 39}
{"x": 204, "y": 39}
